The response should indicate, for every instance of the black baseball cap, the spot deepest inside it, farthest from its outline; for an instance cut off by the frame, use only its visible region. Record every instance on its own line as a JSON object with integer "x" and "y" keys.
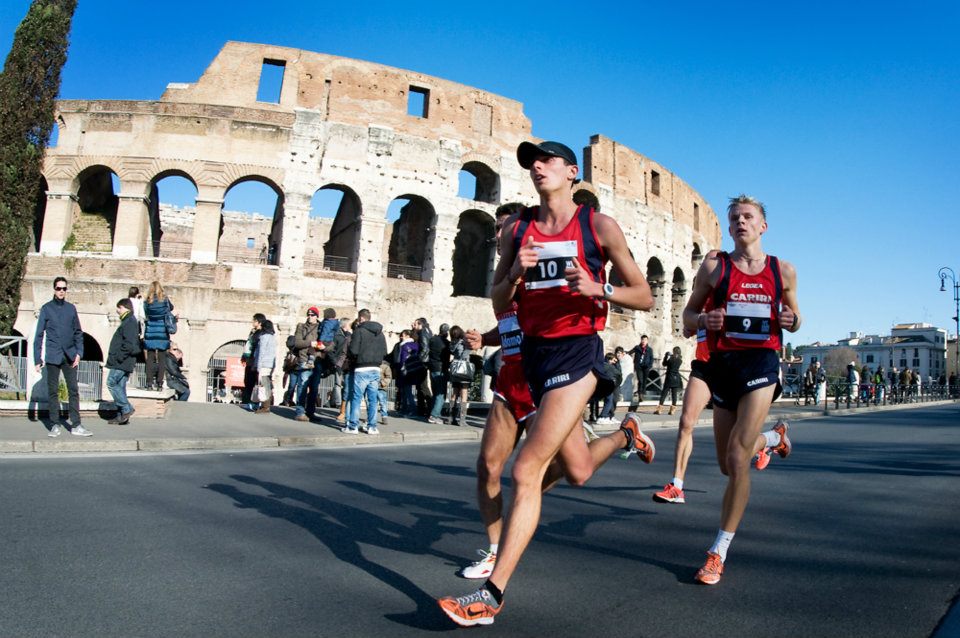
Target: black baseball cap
{"x": 527, "y": 152}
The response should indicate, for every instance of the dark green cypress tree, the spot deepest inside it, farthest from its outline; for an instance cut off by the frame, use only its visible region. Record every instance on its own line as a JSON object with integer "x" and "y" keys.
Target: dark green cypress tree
{"x": 28, "y": 90}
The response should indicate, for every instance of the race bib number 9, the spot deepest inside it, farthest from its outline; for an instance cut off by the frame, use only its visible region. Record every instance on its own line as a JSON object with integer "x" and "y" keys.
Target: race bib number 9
{"x": 552, "y": 260}
{"x": 747, "y": 321}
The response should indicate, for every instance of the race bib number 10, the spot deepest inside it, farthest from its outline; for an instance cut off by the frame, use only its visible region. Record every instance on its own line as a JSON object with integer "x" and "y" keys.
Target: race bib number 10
{"x": 552, "y": 260}
{"x": 747, "y": 321}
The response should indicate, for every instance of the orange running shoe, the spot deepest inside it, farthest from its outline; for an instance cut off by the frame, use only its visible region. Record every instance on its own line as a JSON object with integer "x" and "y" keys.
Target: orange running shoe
{"x": 763, "y": 459}
{"x": 669, "y": 494}
{"x": 641, "y": 443}
{"x": 784, "y": 448}
{"x": 711, "y": 571}
{"x": 477, "y": 608}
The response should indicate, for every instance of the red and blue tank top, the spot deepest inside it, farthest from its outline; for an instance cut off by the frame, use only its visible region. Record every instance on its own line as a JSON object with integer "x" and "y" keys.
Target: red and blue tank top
{"x": 547, "y": 307}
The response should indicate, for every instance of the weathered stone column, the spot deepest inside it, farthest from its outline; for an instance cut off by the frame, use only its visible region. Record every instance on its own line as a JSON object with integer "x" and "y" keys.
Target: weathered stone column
{"x": 444, "y": 236}
{"x": 369, "y": 261}
{"x": 206, "y": 231}
{"x": 296, "y": 216}
{"x": 133, "y": 221}
{"x": 57, "y": 222}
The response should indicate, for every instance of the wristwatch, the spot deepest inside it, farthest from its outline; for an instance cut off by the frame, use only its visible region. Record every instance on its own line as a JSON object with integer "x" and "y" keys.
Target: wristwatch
{"x": 607, "y": 290}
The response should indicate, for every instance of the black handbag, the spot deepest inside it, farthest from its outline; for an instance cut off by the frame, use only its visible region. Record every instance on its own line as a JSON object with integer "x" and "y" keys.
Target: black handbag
{"x": 461, "y": 371}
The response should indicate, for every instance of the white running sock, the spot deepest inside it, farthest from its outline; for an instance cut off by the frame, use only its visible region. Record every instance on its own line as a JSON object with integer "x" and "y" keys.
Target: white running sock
{"x": 493, "y": 548}
{"x": 772, "y": 438}
{"x": 677, "y": 482}
{"x": 722, "y": 543}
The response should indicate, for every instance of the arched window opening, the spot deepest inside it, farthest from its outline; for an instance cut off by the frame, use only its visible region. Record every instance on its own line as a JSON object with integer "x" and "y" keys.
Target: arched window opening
{"x": 39, "y": 211}
{"x": 585, "y": 197}
{"x": 696, "y": 257}
{"x": 334, "y": 230}
{"x": 473, "y": 251}
{"x": 252, "y": 224}
{"x": 410, "y": 238}
{"x": 678, "y": 297}
{"x": 656, "y": 279}
{"x": 95, "y": 216}
{"x": 225, "y": 373}
{"x": 54, "y": 134}
{"x": 479, "y": 182}
{"x": 173, "y": 197}
{"x": 90, "y": 370}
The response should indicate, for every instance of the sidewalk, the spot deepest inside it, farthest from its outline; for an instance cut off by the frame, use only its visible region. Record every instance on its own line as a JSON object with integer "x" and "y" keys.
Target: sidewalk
{"x": 218, "y": 426}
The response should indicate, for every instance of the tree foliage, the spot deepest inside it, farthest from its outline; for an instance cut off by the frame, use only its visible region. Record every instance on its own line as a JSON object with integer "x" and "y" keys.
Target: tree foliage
{"x": 28, "y": 90}
{"x": 835, "y": 361}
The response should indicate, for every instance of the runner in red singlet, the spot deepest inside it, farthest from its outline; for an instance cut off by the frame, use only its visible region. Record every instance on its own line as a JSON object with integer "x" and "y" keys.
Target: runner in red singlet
{"x": 511, "y": 407}
{"x": 754, "y": 298}
{"x": 552, "y": 262}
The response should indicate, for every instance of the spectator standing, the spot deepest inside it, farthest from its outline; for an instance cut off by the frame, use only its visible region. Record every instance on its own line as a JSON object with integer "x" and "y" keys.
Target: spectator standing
{"x": 672, "y": 381}
{"x": 612, "y": 371}
{"x": 439, "y": 366}
{"x": 627, "y": 373}
{"x": 58, "y": 326}
{"x": 121, "y": 357}
{"x": 137, "y": 300}
{"x": 459, "y": 402}
{"x": 809, "y": 383}
{"x": 386, "y": 376}
{"x": 304, "y": 343}
{"x": 343, "y": 388}
{"x": 642, "y": 355}
{"x": 367, "y": 349}
{"x": 264, "y": 361}
{"x": 880, "y": 385}
{"x": 249, "y": 359}
{"x": 176, "y": 380}
{"x": 156, "y": 333}
{"x": 853, "y": 381}
{"x": 411, "y": 372}
{"x": 423, "y": 335}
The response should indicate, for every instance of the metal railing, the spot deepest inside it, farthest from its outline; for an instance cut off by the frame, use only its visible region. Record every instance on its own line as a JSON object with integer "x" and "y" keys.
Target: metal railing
{"x": 333, "y": 263}
{"x": 243, "y": 255}
{"x": 13, "y": 365}
{"x": 400, "y": 271}
{"x": 849, "y": 395}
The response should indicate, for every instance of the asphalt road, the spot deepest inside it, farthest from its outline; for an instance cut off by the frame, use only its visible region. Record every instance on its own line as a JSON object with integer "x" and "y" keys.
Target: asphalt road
{"x": 856, "y": 534}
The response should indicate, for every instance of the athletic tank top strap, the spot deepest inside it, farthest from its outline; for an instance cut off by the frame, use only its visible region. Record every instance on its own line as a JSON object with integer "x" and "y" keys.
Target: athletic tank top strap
{"x": 526, "y": 216}
{"x": 723, "y": 284}
{"x": 592, "y": 250}
{"x": 774, "y": 265}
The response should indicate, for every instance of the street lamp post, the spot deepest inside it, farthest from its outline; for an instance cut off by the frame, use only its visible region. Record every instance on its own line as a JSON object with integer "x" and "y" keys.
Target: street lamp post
{"x": 945, "y": 273}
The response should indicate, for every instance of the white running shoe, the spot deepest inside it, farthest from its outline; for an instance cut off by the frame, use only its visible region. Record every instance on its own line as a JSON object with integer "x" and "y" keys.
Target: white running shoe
{"x": 482, "y": 568}
{"x": 81, "y": 431}
{"x": 54, "y": 431}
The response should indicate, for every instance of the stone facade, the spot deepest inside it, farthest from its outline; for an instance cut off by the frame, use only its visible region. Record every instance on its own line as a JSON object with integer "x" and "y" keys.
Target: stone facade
{"x": 373, "y": 133}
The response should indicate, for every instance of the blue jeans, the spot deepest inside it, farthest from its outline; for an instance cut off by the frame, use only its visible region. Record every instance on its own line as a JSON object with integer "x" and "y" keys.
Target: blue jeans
{"x": 366, "y": 384}
{"x": 301, "y": 388}
{"x": 183, "y": 396}
{"x": 382, "y": 405}
{"x": 117, "y": 384}
{"x": 438, "y": 383}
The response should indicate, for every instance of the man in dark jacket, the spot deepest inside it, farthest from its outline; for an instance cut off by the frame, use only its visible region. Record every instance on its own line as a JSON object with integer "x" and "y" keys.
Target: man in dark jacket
{"x": 367, "y": 349}
{"x": 439, "y": 366}
{"x": 423, "y": 335}
{"x": 124, "y": 347}
{"x": 60, "y": 324}
{"x": 642, "y": 363}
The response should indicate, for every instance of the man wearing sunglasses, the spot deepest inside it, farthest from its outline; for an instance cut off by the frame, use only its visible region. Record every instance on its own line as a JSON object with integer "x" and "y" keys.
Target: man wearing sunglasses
{"x": 60, "y": 324}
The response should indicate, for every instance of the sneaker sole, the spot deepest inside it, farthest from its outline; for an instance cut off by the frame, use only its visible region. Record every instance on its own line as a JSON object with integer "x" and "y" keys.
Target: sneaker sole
{"x": 465, "y": 622}
{"x": 476, "y": 576}
{"x": 649, "y": 452}
{"x": 664, "y": 499}
{"x": 707, "y": 580}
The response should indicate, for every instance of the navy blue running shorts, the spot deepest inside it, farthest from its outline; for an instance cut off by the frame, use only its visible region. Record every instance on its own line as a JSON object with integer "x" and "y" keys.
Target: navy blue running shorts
{"x": 554, "y": 363}
{"x": 733, "y": 374}
{"x": 698, "y": 370}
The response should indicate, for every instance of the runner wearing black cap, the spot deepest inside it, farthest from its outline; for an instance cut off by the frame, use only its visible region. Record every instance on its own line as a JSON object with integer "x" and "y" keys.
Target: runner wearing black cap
{"x": 553, "y": 258}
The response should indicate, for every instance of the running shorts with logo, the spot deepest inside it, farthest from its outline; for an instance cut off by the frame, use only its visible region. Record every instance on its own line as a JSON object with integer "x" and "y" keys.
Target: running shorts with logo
{"x": 554, "y": 363}
{"x": 734, "y": 373}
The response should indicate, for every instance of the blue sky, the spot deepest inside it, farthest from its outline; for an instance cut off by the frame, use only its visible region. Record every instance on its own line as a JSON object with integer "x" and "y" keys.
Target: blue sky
{"x": 840, "y": 116}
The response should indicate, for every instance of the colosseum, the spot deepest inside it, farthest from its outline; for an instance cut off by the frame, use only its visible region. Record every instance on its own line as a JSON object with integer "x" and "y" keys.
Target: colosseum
{"x": 417, "y": 164}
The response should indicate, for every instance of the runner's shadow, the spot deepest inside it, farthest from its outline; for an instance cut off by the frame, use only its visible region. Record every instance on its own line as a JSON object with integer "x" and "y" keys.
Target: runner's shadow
{"x": 342, "y": 528}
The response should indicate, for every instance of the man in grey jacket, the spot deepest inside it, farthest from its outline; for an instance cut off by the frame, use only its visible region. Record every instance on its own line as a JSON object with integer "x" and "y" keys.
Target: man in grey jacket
{"x": 59, "y": 323}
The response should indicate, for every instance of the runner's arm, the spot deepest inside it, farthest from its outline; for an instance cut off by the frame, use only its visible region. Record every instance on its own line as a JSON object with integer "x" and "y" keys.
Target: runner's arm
{"x": 789, "y": 310}
{"x": 635, "y": 293}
